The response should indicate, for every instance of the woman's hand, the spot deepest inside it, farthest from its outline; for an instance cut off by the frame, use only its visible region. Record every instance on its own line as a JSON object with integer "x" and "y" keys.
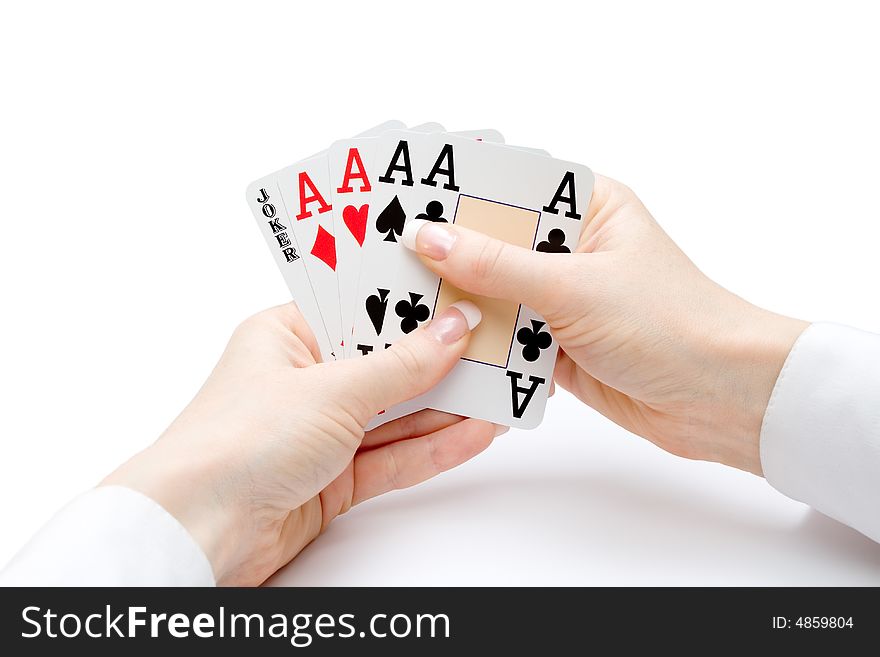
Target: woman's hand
{"x": 273, "y": 448}
{"x": 646, "y": 338}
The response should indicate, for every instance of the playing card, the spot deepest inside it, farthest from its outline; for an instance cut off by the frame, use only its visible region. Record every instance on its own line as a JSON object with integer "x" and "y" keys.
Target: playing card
{"x": 524, "y": 198}
{"x": 351, "y": 181}
{"x": 484, "y": 134}
{"x": 305, "y": 189}
{"x": 288, "y": 205}
{"x": 529, "y": 149}
{"x": 264, "y": 198}
{"x": 431, "y": 126}
{"x": 350, "y": 170}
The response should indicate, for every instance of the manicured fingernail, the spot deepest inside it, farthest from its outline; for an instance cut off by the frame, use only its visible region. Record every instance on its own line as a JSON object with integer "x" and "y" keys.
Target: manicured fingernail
{"x": 470, "y": 311}
{"x": 500, "y": 429}
{"x": 451, "y": 325}
{"x": 410, "y": 230}
{"x": 434, "y": 240}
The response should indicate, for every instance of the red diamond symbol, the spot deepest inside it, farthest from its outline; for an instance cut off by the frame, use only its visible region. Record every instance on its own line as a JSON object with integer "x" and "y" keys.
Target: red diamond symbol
{"x": 325, "y": 248}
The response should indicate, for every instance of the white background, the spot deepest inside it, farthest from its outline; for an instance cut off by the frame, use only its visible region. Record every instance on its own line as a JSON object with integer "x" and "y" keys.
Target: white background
{"x": 128, "y": 254}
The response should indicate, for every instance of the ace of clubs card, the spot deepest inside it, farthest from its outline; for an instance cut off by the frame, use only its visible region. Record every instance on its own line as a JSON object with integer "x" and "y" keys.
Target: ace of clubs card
{"x": 527, "y": 199}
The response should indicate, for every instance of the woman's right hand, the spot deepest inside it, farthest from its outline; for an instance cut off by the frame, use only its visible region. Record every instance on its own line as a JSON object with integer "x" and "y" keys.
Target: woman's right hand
{"x": 647, "y": 339}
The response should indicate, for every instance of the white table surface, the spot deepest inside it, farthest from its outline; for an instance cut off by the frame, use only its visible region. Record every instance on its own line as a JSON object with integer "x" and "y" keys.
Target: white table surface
{"x": 579, "y": 501}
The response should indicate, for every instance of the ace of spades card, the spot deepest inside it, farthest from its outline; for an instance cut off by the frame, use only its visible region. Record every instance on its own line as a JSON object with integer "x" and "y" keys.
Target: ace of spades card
{"x": 526, "y": 199}
{"x": 376, "y": 318}
{"x": 352, "y": 177}
{"x": 350, "y": 166}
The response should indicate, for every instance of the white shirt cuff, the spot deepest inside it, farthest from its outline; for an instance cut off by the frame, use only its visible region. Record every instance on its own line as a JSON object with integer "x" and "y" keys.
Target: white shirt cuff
{"x": 820, "y": 440}
{"x": 110, "y": 536}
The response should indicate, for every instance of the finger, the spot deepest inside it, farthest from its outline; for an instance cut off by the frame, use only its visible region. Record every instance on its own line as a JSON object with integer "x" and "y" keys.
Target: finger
{"x": 291, "y": 319}
{"x": 611, "y": 403}
{"x": 259, "y": 337}
{"x": 489, "y": 267}
{"x": 409, "y": 462}
{"x": 409, "y": 426}
{"x": 410, "y": 366}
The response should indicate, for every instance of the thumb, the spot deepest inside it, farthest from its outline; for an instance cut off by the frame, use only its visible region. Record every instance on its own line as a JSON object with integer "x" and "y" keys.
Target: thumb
{"x": 486, "y": 266}
{"x": 412, "y": 365}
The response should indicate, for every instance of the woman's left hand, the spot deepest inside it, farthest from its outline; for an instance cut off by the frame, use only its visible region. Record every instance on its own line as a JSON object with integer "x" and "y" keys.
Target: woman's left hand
{"x": 273, "y": 448}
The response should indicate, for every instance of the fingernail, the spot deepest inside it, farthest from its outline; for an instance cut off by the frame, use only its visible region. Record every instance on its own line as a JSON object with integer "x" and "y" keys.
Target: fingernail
{"x": 434, "y": 240}
{"x": 470, "y": 311}
{"x": 500, "y": 429}
{"x": 451, "y": 325}
{"x": 410, "y": 230}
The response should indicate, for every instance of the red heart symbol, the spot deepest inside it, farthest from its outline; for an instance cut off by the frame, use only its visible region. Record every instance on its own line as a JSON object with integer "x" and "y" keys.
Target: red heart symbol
{"x": 356, "y": 220}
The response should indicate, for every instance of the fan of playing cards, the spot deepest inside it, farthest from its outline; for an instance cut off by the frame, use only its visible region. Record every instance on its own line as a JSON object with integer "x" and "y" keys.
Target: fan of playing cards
{"x": 334, "y": 221}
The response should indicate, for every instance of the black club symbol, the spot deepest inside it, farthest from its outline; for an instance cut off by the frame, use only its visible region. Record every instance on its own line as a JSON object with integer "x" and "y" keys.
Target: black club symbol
{"x": 411, "y": 312}
{"x": 533, "y": 340}
{"x": 554, "y": 243}
{"x": 433, "y": 212}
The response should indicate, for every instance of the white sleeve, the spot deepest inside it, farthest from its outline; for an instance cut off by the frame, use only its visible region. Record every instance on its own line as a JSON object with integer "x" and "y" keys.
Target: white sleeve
{"x": 110, "y": 536}
{"x": 820, "y": 440}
